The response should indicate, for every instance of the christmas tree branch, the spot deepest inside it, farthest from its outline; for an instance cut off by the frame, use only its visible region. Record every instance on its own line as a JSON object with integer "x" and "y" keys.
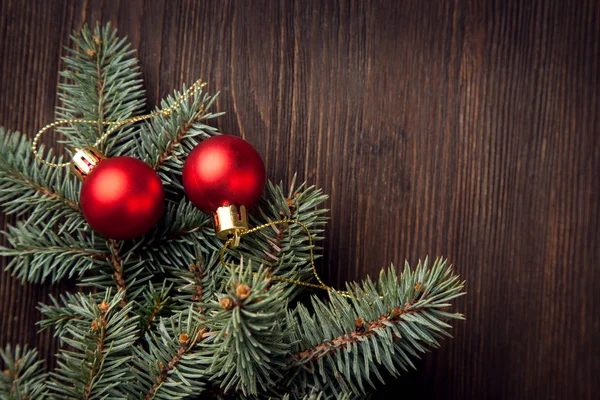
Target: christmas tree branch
{"x": 102, "y": 83}
{"x": 187, "y": 231}
{"x": 199, "y": 284}
{"x": 117, "y": 263}
{"x": 43, "y": 191}
{"x": 280, "y": 230}
{"x": 171, "y": 364}
{"x": 349, "y": 341}
{"x": 124, "y": 272}
{"x": 158, "y": 306}
{"x": 101, "y": 340}
{"x": 181, "y": 134}
{"x": 40, "y": 254}
{"x": 59, "y": 313}
{"x": 284, "y": 248}
{"x": 29, "y": 187}
{"x": 250, "y": 342}
{"x": 23, "y": 376}
{"x": 152, "y": 305}
{"x": 198, "y": 276}
{"x": 165, "y": 141}
{"x": 364, "y": 329}
{"x": 166, "y": 369}
{"x": 174, "y": 240}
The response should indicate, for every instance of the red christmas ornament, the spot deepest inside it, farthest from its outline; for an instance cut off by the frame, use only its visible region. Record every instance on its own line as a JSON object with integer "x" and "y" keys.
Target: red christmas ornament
{"x": 121, "y": 197}
{"x": 223, "y": 176}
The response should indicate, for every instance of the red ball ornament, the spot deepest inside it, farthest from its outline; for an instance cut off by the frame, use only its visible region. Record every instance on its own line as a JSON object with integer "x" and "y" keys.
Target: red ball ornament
{"x": 121, "y": 197}
{"x": 224, "y": 172}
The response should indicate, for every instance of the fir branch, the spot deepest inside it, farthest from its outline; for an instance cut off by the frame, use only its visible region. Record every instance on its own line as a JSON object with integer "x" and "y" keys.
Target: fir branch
{"x": 250, "y": 343}
{"x": 198, "y": 285}
{"x": 61, "y": 312}
{"x": 165, "y": 371}
{"x": 40, "y": 254}
{"x": 198, "y": 275}
{"x": 349, "y": 341}
{"x": 101, "y": 326}
{"x": 364, "y": 330}
{"x": 102, "y": 83}
{"x": 192, "y": 287}
{"x": 23, "y": 377}
{"x": 173, "y": 242}
{"x": 101, "y": 340}
{"x": 158, "y": 305}
{"x": 154, "y": 303}
{"x": 28, "y": 186}
{"x": 171, "y": 365}
{"x": 122, "y": 271}
{"x": 117, "y": 263}
{"x": 165, "y": 141}
{"x": 187, "y": 231}
{"x": 173, "y": 144}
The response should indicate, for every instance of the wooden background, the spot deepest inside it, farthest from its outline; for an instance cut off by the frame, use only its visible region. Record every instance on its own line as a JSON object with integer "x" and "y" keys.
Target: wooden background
{"x": 468, "y": 129}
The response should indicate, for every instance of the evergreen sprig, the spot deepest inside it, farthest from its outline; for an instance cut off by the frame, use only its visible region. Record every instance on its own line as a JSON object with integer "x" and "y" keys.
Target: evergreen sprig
{"x": 23, "y": 375}
{"x": 122, "y": 270}
{"x": 170, "y": 365}
{"x": 345, "y": 343}
{"x": 165, "y": 141}
{"x": 249, "y": 321}
{"x": 284, "y": 248}
{"x": 39, "y": 254}
{"x": 28, "y": 187}
{"x": 198, "y": 284}
{"x": 102, "y": 82}
{"x": 101, "y": 336}
{"x": 154, "y": 303}
{"x": 174, "y": 241}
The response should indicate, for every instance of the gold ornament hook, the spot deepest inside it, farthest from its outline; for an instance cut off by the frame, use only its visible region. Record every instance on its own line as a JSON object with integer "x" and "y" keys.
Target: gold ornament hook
{"x": 230, "y": 222}
{"x": 85, "y": 160}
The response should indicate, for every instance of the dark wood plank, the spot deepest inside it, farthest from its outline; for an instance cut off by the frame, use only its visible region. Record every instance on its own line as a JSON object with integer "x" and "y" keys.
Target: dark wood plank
{"x": 463, "y": 128}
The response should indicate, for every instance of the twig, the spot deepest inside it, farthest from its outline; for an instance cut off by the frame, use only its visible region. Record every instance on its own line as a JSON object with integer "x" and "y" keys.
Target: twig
{"x": 95, "y": 256}
{"x": 46, "y": 192}
{"x": 180, "y": 135}
{"x": 117, "y": 264}
{"x": 366, "y": 329}
{"x": 164, "y": 372}
{"x": 100, "y": 349}
{"x": 174, "y": 361}
{"x": 153, "y": 314}
{"x": 183, "y": 232}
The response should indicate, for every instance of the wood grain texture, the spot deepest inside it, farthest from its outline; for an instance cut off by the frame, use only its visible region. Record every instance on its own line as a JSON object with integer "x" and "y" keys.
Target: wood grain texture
{"x": 463, "y": 128}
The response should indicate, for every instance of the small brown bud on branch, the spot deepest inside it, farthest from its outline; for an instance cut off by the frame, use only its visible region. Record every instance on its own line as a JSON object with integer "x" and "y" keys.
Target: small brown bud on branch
{"x": 242, "y": 291}
{"x": 103, "y": 306}
{"x": 226, "y": 303}
{"x": 184, "y": 338}
{"x": 360, "y": 325}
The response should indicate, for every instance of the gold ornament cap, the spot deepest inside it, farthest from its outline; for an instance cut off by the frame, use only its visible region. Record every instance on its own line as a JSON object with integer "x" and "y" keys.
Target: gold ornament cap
{"x": 85, "y": 160}
{"x": 230, "y": 221}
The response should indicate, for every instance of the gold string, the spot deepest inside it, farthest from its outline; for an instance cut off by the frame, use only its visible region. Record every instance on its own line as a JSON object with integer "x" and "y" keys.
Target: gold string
{"x": 321, "y": 284}
{"x": 192, "y": 90}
